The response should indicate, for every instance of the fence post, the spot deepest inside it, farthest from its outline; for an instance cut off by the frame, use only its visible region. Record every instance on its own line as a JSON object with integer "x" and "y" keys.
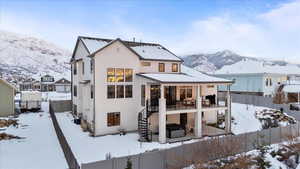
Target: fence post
{"x": 270, "y": 136}
{"x": 298, "y": 124}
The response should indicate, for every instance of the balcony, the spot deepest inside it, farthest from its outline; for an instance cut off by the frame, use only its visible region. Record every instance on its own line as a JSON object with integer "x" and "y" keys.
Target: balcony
{"x": 182, "y": 105}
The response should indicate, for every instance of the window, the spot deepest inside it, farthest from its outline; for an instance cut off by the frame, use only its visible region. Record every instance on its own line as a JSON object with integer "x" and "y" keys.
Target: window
{"x": 110, "y": 75}
{"x": 82, "y": 67}
{"x": 111, "y": 91}
{"x": 174, "y": 67}
{"x": 91, "y": 66}
{"x": 75, "y": 91}
{"x": 267, "y": 82}
{"x": 92, "y": 91}
{"x": 146, "y": 63}
{"x": 128, "y": 75}
{"x": 186, "y": 92}
{"x": 74, "y": 109}
{"x": 128, "y": 91}
{"x": 189, "y": 93}
{"x": 210, "y": 86}
{"x": 120, "y": 91}
{"x": 75, "y": 68}
{"x": 270, "y": 82}
{"x": 143, "y": 93}
{"x": 161, "y": 67}
{"x": 113, "y": 119}
{"x": 119, "y": 75}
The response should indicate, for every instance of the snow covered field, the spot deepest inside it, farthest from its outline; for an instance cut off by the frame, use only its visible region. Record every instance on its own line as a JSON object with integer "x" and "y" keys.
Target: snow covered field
{"x": 39, "y": 149}
{"x": 89, "y": 149}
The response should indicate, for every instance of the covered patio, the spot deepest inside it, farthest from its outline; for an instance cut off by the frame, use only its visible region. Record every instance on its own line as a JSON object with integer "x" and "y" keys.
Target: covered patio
{"x": 181, "y": 94}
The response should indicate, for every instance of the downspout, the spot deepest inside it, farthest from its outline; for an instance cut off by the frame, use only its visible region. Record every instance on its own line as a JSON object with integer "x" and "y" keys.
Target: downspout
{"x": 94, "y": 90}
{"x": 72, "y": 87}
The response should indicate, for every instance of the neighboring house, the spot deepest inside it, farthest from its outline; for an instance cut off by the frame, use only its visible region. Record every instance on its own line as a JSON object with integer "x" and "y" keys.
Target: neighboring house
{"x": 132, "y": 86}
{"x": 288, "y": 92}
{"x": 47, "y": 83}
{"x": 27, "y": 84}
{"x": 263, "y": 84}
{"x": 63, "y": 85}
{"x": 7, "y": 94}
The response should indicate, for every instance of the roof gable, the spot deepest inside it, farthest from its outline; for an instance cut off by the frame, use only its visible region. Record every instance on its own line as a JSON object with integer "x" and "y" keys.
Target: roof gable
{"x": 145, "y": 51}
{"x": 7, "y": 84}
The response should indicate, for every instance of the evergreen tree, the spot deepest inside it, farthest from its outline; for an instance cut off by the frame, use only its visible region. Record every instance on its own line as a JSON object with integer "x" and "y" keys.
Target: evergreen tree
{"x": 129, "y": 164}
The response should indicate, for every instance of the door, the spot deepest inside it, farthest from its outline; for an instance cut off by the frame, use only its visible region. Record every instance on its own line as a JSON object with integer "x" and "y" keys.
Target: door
{"x": 170, "y": 95}
{"x": 154, "y": 95}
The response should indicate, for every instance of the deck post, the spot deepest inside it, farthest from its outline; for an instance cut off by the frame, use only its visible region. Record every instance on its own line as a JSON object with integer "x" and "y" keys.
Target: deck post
{"x": 228, "y": 112}
{"x": 198, "y": 114}
{"x": 162, "y": 116}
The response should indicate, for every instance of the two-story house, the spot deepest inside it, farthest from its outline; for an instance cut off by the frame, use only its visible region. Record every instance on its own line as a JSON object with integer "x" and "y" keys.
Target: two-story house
{"x": 132, "y": 86}
{"x": 47, "y": 83}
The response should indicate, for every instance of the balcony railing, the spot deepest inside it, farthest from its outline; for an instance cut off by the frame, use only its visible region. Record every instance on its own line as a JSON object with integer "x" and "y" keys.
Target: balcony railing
{"x": 183, "y": 105}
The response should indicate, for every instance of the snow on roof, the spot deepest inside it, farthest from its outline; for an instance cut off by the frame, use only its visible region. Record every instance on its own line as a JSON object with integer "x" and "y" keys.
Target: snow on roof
{"x": 188, "y": 76}
{"x": 93, "y": 45}
{"x": 154, "y": 52}
{"x": 250, "y": 66}
{"x": 149, "y": 51}
{"x": 292, "y": 88}
{"x": 195, "y": 73}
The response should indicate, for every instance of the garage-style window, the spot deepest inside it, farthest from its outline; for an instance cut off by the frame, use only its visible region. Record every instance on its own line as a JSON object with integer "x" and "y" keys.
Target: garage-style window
{"x": 119, "y": 75}
{"x": 174, "y": 67}
{"x": 161, "y": 67}
{"x": 110, "y": 75}
{"x": 128, "y": 75}
{"x": 111, "y": 91}
{"x": 128, "y": 91}
{"x": 113, "y": 119}
{"x": 146, "y": 63}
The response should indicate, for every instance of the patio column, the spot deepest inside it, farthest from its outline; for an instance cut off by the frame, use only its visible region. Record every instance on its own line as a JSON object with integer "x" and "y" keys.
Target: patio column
{"x": 162, "y": 116}
{"x": 198, "y": 114}
{"x": 228, "y": 112}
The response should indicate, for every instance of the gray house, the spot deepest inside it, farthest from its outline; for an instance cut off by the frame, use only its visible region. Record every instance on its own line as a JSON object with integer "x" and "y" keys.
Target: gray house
{"x": 7, "y": 94}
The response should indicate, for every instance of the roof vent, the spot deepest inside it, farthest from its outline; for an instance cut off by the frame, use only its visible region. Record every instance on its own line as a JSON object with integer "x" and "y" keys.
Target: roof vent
{"x": 143, "y": 51}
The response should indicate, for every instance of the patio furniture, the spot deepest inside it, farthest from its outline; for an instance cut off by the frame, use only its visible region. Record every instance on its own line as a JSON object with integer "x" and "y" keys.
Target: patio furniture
{"x": 189, "y": 102}
{"x": 175, "y": 130}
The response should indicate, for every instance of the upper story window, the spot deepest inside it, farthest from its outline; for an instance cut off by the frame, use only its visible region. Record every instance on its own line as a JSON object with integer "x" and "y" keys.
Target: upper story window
{"x": 91, "y": 66}
{"x": 161, "y": 67}
{"x": 128, "y": 75}
{"x": 210, "y": 86}
{"x": 75, "y": 68}
{"x": 110, "y": 75}
{"x": 174, "y": 67}
{"x": 270, "y": 82}
{"x": 83, "y": 68}
{"x": 92, "y": 91}
{"x": 146, "y": 63}
{"x": 75, "y": 91}
{"x": 119, "y": 75}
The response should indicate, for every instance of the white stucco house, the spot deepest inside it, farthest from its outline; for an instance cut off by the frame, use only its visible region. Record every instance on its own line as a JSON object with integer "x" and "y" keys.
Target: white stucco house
{"x": 132, "y": 86}
{"x": 63, "y": 86}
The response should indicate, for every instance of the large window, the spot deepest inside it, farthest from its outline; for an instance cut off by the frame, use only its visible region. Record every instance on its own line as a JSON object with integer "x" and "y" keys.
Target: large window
{"x": 128, "y": 91}
{"x": 119, "y": 75}
{"x": 75, "y": 91}
{"x": 110, "y": 75}
{"x": 120, "y": 91}
{"x": 174, "y": 67}
{"x": 128, "y": 75}
{"x": 161, "y": 67}
{"x": 111, "y": 91}
{"x": 186, "y": 92}
{"x": 113, "y": 119}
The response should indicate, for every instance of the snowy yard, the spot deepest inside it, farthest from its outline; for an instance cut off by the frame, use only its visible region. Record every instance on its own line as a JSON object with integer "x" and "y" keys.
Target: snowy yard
{"x": 89, "y": 149}
{"x": 39, "y": 149}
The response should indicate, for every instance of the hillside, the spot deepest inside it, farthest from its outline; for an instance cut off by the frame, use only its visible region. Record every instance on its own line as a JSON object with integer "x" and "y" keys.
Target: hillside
{"x": 228, "y": 62}
{"x": 22, "y": 56}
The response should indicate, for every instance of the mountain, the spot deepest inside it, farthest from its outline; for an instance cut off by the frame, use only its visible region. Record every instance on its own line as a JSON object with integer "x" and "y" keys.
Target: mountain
{"x": 23, "y": 56}
{"x": 213, "y": 62}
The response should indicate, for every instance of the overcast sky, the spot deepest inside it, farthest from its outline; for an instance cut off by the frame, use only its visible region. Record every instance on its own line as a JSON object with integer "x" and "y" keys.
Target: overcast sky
{"x": 258, "y": 28}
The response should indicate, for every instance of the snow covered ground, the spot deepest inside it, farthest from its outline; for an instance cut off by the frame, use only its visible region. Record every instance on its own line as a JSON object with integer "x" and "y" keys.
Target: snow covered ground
{"x": 89, "y": 149}
{"x": 39, "y": 149}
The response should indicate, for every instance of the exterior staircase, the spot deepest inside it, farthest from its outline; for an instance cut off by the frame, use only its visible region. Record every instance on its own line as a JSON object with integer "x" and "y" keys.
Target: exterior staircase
{"x": 143, "y": 124}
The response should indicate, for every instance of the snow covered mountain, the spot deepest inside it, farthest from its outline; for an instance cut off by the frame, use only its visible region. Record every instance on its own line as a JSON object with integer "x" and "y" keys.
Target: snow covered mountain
{"x": 22, "y": 57}
{"x": 228, "y": 61}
